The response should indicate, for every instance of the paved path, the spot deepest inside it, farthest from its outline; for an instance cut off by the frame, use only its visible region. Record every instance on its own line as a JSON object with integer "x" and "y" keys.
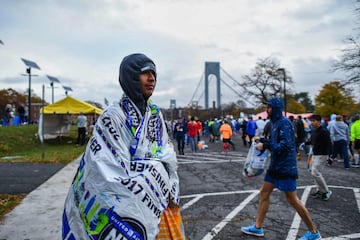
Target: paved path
{"x": 38, "y": 217}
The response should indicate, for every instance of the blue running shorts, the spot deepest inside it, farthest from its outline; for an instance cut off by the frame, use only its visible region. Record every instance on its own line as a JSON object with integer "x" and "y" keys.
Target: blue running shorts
{"x": 284, "y": 185}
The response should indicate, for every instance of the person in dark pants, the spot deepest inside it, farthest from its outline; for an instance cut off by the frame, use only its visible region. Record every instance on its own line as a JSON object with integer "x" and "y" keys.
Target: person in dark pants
{"x": 243, "y": 132}
{"x": 300, "y": 135}
{"x": 21, "y": 111}
{"x": 81, "y": 124}
{"x": 179, "y": 132}
{"x": 340, "y": 138}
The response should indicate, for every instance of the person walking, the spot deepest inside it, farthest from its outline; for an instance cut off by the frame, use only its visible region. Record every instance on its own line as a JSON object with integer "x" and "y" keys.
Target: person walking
{"x": 340, "y": 138}
{"x": 319, "y": 153}
{"x": 126, "y": 186}
{"x": 193, "y": 131}
{"x": 355, "y": 138}
{"x": 179, "y": 132}
{"x": 226, "y": 133}
{"x": 300, "y": 135}
{"x": 251, "y": 129}
{"x": 21, "y": 111}
{"x": 282, "y": 172}
{"x": 260, "y": 125}
{"x": 81, "y": 126}
{"x": 216, "y": 129}
{"x": 243, "y": 132}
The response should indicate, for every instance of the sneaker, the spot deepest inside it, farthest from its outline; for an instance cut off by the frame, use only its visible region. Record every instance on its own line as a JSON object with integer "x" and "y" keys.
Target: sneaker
{"x": 253, "y": 231}
{"x": 311, "y": 236}
{"x": 316, "y": 194}
{"x": 330, "y": 161}
{"x": 326, "y": 196}
{"x": 355, "y": 165}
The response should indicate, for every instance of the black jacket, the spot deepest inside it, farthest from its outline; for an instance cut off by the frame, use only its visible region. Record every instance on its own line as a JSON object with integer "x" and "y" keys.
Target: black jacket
{"x": 320, "y": 141}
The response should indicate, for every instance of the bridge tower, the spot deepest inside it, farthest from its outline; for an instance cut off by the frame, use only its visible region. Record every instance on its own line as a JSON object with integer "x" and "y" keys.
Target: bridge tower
{"x": 212, "y": 68}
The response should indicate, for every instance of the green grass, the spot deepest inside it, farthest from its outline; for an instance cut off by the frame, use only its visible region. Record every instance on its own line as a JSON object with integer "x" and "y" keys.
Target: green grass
{"x": 22, "y": 141}
{"x": 9, "y": 202}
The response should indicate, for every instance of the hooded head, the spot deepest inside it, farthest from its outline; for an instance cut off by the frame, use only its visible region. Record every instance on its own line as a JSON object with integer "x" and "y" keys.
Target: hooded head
{"x": 277, "y": 106}
{"x": 129, "y": 77}
{"x": 333, "y": 117}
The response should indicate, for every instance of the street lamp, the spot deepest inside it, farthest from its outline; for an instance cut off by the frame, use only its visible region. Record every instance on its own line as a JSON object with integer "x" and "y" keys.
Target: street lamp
{"x": 67, "y": 89}
{"x": 30, "y": 64}
{"x": 282, "y": 70}
{"x": 52, "y": 80}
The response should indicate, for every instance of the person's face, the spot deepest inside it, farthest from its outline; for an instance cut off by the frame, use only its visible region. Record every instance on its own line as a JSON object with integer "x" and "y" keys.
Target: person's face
{"x": 315, "y": 123}
{"x": 268, "y": 110}
{"x": 148, "y": 83}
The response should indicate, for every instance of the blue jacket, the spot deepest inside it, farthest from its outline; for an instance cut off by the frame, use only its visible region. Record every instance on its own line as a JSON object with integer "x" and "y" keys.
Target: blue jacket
{"x": 251, "y": 128}
{"x": 281, "y": 144}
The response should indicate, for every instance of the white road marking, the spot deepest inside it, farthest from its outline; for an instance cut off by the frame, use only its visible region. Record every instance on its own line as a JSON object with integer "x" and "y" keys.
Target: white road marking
{"x": 296, "y": 221}
{"x": 343, "y": 237}
{"x": 294, "y": 228}
{"x": 357, "y": 197}
{"x": 191, "y": 202}
{"x": 210, "y": 235}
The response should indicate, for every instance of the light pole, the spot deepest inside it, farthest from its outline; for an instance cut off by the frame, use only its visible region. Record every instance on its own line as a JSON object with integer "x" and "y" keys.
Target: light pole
{"x": 282, "y": 70}
{"x": 52, "y": 80}
{"x": 67, "y": 89}
{"x": 29, "y": 64}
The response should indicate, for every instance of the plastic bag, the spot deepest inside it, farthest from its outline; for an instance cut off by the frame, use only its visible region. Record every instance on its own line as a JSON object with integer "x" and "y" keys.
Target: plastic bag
{"x": 255, "y": 162}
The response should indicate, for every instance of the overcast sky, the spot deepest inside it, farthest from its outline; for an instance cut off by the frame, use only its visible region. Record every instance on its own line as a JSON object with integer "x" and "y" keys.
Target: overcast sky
{"x": 82, "y": 43}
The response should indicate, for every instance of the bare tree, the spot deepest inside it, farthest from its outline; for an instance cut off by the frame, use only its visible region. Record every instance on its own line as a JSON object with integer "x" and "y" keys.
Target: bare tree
{"x": 350, "y": 58}
{"x": 265, "y": 80}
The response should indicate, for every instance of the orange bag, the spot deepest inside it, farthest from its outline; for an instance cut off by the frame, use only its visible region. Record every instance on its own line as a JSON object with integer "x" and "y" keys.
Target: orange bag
{"x": 171, "y": 225}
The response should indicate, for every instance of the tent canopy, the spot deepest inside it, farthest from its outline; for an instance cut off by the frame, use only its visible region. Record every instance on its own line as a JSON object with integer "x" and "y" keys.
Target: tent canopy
{"x": 70, "y": 105}
{"x": 56, "y": 120}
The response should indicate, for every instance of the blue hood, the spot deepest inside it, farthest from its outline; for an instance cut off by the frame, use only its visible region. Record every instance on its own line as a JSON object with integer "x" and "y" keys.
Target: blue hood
{"x": 277, "y": 105}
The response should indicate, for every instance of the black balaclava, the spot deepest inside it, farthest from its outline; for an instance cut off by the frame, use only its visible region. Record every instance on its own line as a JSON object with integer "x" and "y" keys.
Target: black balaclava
{"x": 130, "y": 69}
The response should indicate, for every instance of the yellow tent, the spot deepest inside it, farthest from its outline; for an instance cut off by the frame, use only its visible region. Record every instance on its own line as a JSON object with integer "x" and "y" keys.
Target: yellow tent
{"x": 70, "y": 105}
{"x": 55, "y": 119}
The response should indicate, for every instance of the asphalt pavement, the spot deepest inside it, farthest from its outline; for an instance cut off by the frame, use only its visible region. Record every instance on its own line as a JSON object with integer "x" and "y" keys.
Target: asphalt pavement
{"x": 216, "y": 200}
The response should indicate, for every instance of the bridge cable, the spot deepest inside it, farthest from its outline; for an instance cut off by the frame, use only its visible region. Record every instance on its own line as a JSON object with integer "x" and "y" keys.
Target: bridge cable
{"x": 242, "y": 97}
{"x": 202, "y": 76}
{"x": 227, "y": 74}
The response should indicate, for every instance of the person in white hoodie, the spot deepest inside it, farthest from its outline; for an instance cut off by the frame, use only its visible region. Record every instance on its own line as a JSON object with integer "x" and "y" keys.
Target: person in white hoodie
{"x": 340, "y": 137}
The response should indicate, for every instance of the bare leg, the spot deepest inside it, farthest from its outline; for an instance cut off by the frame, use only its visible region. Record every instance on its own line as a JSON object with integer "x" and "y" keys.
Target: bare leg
{"x": 294, "y": 201}
{"x": 264, "y": 203}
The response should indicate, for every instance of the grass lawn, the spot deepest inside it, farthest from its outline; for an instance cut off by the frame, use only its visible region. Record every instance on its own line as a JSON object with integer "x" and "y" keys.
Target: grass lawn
{"x": 20, "y": 144}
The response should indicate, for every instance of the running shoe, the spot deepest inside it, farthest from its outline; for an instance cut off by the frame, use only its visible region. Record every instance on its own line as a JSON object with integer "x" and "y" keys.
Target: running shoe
{"x": 253, "y": 231}
{"x": 330, "y": 161}
{"x": 311, "y": 236}
{"x": 316, "y": 194}
{"x": 326, "y": 196}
